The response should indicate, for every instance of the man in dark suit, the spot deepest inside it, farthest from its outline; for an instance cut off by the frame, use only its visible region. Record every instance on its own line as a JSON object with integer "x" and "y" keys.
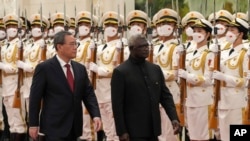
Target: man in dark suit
{"x": 61, "y": 90}
{"x": 137, "y": 89}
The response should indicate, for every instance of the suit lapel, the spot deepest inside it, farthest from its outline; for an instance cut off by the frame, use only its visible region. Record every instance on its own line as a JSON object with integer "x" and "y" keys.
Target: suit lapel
{"x": 59, "y": 71}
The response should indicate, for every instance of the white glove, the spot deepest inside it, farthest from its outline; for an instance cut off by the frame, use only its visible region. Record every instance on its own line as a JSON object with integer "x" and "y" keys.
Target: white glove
{"x": 19, "y": 44}
{"x": 6, "y": 67}
{"x": 42, "y": 43}
{"x": 219, "y": 75}
{"x": 119, "y": 44}
{"x": 180, "y": 48}
{"x": 92, "y": 44}
{"x": 93, "y": 67}
{"x": 2, "y": 66}
{"x": 182, "y": 73}
{"x": 22, "y": 65}
{"x": 192, "y": 78}
{"x": 214, "y": 48}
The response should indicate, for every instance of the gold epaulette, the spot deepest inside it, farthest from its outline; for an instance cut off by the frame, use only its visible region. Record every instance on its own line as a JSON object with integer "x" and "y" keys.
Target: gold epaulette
{"x": 207, "y": 50}
{"x": 156, "y": 43}
{"x": 244, "y": 49}
{"x": 173, "y": 43}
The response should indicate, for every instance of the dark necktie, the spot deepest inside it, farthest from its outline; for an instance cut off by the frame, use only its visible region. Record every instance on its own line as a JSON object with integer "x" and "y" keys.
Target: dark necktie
{"x": 8, "y": 45}
{"x": 70, "y": 77}
{"x": 195, "y": 52}
{"x": 160, "y": 47}
{"x": 104, "y": 46}
{"x": 231, "y": 51}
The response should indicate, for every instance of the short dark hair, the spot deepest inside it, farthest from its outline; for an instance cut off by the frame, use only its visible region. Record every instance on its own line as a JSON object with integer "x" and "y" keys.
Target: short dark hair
{"x": 59, "y": 38}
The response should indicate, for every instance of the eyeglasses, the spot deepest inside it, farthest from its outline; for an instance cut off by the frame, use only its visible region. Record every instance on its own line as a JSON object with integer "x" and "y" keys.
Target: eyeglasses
{"x": 71, "y": 44}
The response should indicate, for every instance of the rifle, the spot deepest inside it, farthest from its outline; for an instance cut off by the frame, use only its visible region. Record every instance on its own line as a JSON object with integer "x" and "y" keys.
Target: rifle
{"x": 66, "y": 28}
{"x": 182, "y": 65}
{"x": 247, "y": 118}
{"x": 43, "y": 48}
{"x": 17, "y": 97}
{"x": 1, "y": 81}
{"x": 213, "y": 120}
{"x": 149, "y": 34}
{"x": 93, "y": 50}
{"x": 121, "y": 51}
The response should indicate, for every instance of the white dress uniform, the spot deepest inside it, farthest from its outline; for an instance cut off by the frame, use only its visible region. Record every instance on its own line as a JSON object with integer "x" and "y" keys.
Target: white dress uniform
{"x": 9, "y": 57}
{"x": 233, "y": 92}
{"x": 106, "y": 56}
{"x": 165, "y": 55}
{"x": 82, "y": 57}
{"x": 32, "y": 56}
{"x": 199, "y": 91}
{"x": 2, "y": 42}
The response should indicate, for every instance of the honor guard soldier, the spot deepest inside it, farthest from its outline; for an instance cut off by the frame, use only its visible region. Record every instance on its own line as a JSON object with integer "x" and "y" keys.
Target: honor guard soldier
{"x": 72, "y": 26}
{"x": 106, "y": 61}
{"x": 9, "y": 53}
{"x": 58, "y": 23}
{"x": 233, "y": 92}
{"x": 198, "y": 75}
{"x": 155, "y": 39}
{"x": 23, "y": 31}
{"x": 243, "y": 16}
{"x": 222, "y": 19}
{"x": 2, "y": 33}
{"x": 187, "y": 21}
{"x": 33, "y": 54}
{"x": 137, "y": 21}
{"x": 49, "y": 40}
{"x": 2, "y": 42}
{"x": 83, "y": 20}
{"x": 165, "y": 55}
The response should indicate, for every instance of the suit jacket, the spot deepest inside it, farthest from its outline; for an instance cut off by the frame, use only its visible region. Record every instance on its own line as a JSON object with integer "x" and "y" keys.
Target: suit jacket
{"x": 61, "y": 108}
{"x": 137, "y": 89}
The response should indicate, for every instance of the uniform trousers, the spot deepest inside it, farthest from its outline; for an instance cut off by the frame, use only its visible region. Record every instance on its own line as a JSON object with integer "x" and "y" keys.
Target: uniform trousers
{"x": 108, "y": 121}
{"x": 15, "y": 119}
{"x": 167, "y": 132}
{"x": 227, "y": 117}
{"x": 197, "y": 120}
{"x": 86, "y": 129}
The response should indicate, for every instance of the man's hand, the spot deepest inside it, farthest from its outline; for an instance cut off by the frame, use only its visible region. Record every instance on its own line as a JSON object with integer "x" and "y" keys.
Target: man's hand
{"x": 176, "y": 126}
{"x": 124, "y": 137}
{"x": 33, "y": 132}
{"x": 97, "y": 123}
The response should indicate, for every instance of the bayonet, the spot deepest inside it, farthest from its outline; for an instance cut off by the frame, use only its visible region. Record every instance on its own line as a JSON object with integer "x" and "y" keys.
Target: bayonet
{"x": 41, "y": 17}
{"x": 65, "y": 23}
{"x": 92, "y": 30}
{"x": 26, "y": 22}
{"x": 125, "y": 22}
{"x": 173, "y": 4}
{"x": 236, "y": 8}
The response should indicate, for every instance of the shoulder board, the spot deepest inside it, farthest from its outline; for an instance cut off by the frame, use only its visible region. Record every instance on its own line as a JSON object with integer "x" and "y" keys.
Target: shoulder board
{"x": 173, "y": 43}
{"x": 206, "y": 50}
{"x": 244, "y": 49}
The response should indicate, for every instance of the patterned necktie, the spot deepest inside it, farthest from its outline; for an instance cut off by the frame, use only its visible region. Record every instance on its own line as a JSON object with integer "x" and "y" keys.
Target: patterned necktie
{"x": 70, "y": 77}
